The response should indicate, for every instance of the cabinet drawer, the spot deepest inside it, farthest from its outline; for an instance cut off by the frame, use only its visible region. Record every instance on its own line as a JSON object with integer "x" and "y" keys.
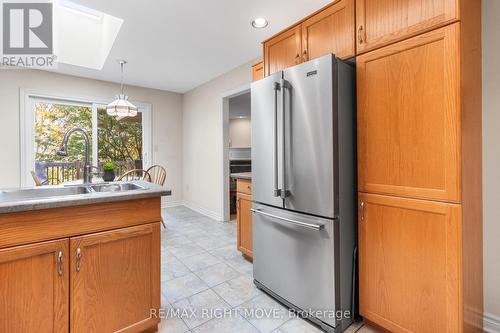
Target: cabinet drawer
{"x": 244, "y": 186}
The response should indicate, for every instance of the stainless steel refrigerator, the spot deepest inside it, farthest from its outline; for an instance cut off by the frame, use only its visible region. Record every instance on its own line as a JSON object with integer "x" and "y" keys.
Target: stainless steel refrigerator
{"x": 304, "y": 189}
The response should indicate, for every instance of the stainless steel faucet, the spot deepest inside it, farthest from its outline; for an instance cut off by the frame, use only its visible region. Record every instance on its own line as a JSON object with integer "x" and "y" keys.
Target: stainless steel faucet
{"x": 63, "y": 151}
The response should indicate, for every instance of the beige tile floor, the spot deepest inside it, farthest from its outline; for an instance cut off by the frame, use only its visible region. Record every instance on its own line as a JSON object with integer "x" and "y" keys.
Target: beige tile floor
{"x": 204, "y": 276}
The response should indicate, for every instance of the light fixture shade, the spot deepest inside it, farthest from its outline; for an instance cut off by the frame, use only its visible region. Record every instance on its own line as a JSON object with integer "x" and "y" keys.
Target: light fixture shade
{"x": 121, "y": 107}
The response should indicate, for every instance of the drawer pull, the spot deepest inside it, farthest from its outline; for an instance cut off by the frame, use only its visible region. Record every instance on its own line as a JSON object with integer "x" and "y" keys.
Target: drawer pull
{"x": 360, "y": 34}
{"x": 78, "y": 259}
{"x": 60, "y": 266}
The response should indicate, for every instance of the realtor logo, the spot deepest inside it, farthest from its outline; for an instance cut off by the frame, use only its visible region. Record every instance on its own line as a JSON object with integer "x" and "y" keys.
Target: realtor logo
{"x": 27, "y": 35}
{"x": 27, "y": 28}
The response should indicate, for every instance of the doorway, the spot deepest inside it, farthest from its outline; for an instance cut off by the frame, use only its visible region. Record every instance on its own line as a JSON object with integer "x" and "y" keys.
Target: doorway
{"x": 236, "y": 144}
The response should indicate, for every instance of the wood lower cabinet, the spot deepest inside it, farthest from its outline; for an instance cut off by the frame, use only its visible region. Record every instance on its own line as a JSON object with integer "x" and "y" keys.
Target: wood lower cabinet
{"x": 88, "y": 269}
{"x": 115, "y": 280}
{"x": 330, "y": 31}
{"x": 34, "y": 284}
{"x": 244, "y": 218}
{"x": 283, "y": 51}
{"x": 409, "y": 117}
{"x": 381, "y": 22}
{"x": 409, "y": 264}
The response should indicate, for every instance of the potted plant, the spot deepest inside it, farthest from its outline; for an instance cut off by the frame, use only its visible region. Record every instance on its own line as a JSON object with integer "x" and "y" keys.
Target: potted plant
{"x": 109, "y": 171}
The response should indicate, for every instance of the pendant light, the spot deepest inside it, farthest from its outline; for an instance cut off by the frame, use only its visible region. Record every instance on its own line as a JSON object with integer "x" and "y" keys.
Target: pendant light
{"x": 121, "y": 107}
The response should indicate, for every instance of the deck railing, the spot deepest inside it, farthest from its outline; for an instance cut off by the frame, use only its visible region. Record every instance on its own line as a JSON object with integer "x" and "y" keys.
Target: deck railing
{"x": 56, "y": 173}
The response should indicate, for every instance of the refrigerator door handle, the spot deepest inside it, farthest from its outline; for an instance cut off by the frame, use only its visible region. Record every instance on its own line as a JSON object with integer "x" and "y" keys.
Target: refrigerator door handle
{"x": 277, "y": 191}
{"x": 317, "y": 227}
{"x": 284, "y": 86}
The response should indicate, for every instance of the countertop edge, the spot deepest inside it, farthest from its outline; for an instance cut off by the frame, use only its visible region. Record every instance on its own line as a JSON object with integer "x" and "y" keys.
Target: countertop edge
{"x": 81, "y": 200}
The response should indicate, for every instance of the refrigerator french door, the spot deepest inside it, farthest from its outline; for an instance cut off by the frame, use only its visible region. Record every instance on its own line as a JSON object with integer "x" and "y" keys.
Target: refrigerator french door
{"x": 303, "y": 160}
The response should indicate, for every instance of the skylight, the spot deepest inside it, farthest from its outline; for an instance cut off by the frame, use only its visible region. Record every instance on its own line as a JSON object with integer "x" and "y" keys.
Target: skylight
{"x": 83, "y": 36}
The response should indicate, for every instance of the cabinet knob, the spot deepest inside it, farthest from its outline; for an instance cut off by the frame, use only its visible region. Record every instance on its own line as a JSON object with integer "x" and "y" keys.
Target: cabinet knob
{"x": 297, "y": 58}
{"x": 305, "y": 57}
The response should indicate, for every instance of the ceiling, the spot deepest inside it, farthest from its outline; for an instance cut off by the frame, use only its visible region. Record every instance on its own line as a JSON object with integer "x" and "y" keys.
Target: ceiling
{"x": 177, "y": 45}
{"x": 240, "y": 106}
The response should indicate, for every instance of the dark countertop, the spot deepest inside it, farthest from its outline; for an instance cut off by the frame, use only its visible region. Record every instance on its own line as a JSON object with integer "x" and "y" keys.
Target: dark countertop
{"x": 242, "y": 175}
{"x": 36, "y": 202}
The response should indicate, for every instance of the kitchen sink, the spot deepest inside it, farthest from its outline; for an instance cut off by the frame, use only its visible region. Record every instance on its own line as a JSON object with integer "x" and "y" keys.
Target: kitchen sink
{"x": 45, "y": 193}
{"x": 116, "y": 187}
{"x": 42, "y": 193}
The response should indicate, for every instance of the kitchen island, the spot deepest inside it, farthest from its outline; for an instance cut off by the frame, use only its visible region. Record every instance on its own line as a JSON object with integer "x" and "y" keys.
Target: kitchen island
{"x": 80, "y": 259}
{"x": 244, "y": 213}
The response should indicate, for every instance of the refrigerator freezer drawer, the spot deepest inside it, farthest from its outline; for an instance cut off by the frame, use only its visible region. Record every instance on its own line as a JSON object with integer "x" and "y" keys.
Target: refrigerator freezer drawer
{"x": 294, "y": 258}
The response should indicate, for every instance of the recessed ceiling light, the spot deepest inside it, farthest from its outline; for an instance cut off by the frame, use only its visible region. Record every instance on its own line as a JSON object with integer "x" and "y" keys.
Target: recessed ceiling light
{"x": 259, "y": 23}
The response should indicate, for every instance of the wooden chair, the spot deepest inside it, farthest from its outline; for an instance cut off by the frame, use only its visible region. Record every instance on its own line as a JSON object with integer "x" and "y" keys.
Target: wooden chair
{"x": 135, "y": 174}
{"x": 37, "y": 180}
{"x": 158, "y": 174}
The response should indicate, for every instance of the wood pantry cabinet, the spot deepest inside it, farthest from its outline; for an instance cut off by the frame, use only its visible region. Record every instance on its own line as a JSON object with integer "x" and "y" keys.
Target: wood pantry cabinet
{"x": 420, "y": 171}
{"x": 244, "y": 217}
{"x": 380, "y": 22}
{"x": 409, "y": 117}
{"x": 101, "y": 274}
{"x": 330, "y": 30}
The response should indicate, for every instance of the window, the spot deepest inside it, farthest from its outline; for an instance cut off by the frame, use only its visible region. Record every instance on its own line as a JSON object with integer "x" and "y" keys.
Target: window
{"x": 124, "y": 142}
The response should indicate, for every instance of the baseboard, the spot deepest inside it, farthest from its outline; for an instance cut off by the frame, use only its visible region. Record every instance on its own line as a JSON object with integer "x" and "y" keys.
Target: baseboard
{"x": 203, "y": 211}
{"x": 168, "y": 204}
{"x": 491, "y": 323}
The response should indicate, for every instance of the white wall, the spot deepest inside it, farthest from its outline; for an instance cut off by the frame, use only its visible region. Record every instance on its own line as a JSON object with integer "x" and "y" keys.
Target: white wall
{"x": 166, "y": 119}
{"x": 203, "y": 143}
{"x": 491, "y": 156}
{"x": 239, "y": 133}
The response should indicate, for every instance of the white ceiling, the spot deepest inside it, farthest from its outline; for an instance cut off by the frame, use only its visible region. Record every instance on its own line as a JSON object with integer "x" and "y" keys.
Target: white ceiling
{"x": 240, "y": 106}
{"x": 177, "y": 45}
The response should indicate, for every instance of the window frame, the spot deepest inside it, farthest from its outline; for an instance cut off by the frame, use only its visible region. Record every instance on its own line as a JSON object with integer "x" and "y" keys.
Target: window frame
{"x": 28, "y": 98}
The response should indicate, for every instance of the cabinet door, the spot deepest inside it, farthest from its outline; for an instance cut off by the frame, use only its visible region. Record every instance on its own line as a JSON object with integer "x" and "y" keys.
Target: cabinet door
{"x": 381, "y": 22}
{"x": 244, "y": 221}
{"x": 258, "y": 71}
{"x": 282, "y": 51}
{"x": 115, "y": 280}
{"x": 409, "y": 117}
{"x": 409, "y": 266}
{"x": 34, "y": 288}
{"x": 330, "y": 31}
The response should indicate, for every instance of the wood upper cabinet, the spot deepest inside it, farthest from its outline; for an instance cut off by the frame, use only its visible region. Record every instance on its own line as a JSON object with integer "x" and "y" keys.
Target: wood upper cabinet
{"x": 283, "y": 51}
{"x": 409, "y": 264}
{"x": 330, "y": 31}
{"x": 115, "y": 280}
{"x": 409, "y": 117}
{"x": 258, "y": 71}
{"x": 34, "y": 283}
{"x": 381, "y": 22}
